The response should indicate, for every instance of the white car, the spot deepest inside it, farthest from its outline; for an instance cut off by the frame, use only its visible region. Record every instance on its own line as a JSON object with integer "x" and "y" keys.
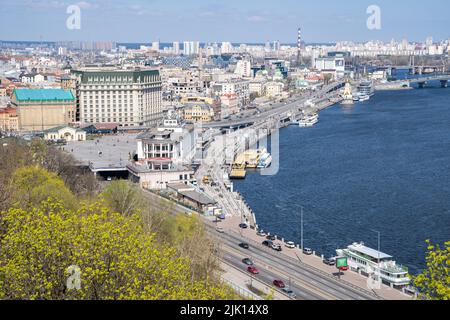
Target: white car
{"x": 220, "y": 230}
{"x": 261, "y": 233}
{"x": 290, "y": 245}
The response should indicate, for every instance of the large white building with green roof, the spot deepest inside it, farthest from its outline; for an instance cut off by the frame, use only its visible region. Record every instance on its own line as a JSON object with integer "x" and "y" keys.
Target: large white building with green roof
{"x": 129, "y": 98}
{"x": 43, "y": 109}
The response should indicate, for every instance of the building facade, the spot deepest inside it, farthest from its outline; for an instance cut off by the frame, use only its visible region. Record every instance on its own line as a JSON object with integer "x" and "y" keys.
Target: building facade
{"x": 198, "y": 113}
{"x": 9, "y": 121}
{"x": 130, "y": 98}
{"x": 43, "y": 109}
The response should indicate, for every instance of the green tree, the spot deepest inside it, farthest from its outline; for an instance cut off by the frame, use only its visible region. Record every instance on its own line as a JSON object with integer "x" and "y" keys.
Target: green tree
{"x": 434, "y": 282}
{"x": 117, "y": 258}
{"x": 124, "y": 197}
{"x": 32, "y": 185}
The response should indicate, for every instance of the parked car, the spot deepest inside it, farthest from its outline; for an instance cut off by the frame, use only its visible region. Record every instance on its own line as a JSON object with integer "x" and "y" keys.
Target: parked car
{"x": 307, "y": 251}
{"x": 289, "y": 292}
{"x": 271, "y": 237}
{"x": 261, "y": 233}
{"x": 220, "y": 230}
{"x": 343, "y": 268}
{"x": 247, "y": 261}
{"x": 290, "y": 245}
{"x": 276, "y": 247}
{"x": 278, "y": 283}
{"x": 329, "y": 261}
{"x": 244, "y": 245}
{"x": 221, "y": 217}
{"x": 252, "y": 270}
{"x": 267, "y": 243}
{"x": 243, "y": 226}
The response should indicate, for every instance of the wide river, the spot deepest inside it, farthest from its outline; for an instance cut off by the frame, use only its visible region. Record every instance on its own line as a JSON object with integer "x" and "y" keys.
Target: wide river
{"x": 379, "y": 165}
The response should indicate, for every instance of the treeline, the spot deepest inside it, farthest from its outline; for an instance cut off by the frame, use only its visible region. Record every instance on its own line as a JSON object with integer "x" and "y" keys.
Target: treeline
{"x": 61, "y": 237}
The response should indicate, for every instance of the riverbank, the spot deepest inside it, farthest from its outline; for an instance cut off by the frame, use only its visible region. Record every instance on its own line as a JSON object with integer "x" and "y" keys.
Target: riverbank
{"x": 386, "y": 159}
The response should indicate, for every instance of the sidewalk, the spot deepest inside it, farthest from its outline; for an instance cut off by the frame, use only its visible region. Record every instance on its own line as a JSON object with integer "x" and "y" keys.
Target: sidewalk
{"x": 232, "y": 224}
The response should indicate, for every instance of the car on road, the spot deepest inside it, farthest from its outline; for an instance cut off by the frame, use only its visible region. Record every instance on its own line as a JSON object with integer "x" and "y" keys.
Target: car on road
{"x": 244, "y": 245}
{"x": 329, "y": 261}
{"x": 343, "y": 268}
{"x": 243, "y": 226}
{"x": 277, "y": 247}
{"x": 279, "y": 284}
{"x": 307, "y": 251}
{"x": 289, "y": 292}
{"x": 252, "y": 270}
{"x": 290, "y": 245}
{"x": 221, "y": 217}
{"x": 261, "y": 233}
{"x": 220, "y": 230}
{"x": 247, "y": 261}
{"x": 267, "y": 243}
{"x": 271, "y": 237}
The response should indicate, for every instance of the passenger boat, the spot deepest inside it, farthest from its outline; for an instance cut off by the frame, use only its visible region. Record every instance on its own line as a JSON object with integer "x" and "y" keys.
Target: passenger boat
{"x": 366, "y": 260}
{"x": 265, "y": 160}
{"x": 309, "y": 120}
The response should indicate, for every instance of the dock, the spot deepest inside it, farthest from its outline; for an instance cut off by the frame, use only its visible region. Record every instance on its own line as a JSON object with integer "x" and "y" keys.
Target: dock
{"x": 246, "y": 160}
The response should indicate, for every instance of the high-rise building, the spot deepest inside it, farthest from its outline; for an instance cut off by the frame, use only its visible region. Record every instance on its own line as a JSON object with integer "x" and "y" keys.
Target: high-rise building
{"x": 226, "y": 47}
{"x": 130, "y": 98}
{"x": 299, "y": 47}
{"x": 176, "y": 47}
{"x": 244, "y": 68}
{"x": 276, "y": 45}
{"x": 155, "y": 46}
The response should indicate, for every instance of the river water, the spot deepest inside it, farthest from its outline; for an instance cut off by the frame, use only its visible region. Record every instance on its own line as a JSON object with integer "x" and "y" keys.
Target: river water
{"x": 380, "y": 165}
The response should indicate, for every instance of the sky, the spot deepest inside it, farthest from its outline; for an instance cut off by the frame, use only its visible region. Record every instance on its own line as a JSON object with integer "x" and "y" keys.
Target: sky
{"x": 248, "y": 21}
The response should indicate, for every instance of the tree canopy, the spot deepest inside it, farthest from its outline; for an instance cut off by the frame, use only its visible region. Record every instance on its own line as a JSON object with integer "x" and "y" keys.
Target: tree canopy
{"x": 434, "y": 282}
{"x": 117, "y": 259}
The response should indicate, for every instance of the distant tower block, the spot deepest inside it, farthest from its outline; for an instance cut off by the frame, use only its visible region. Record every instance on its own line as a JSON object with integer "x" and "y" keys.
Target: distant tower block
{"x": 299, "y": 46}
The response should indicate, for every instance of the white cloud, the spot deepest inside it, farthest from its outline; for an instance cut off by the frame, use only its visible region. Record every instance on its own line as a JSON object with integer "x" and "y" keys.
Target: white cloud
{"x": 256, "y": 19}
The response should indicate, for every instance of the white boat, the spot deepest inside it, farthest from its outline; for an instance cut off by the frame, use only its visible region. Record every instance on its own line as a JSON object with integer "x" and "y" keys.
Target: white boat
{"x": 355, "y": 98}
{"x": 375, "y": 263}
{"x": 363, "y": 98}
{"x": 265, "y": 160}
{"x": 309, "y": 120}
{"x": 366, "y": 88}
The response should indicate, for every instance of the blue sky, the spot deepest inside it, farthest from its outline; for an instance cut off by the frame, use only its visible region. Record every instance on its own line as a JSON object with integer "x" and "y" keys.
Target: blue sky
{"x": 223, "y": 20}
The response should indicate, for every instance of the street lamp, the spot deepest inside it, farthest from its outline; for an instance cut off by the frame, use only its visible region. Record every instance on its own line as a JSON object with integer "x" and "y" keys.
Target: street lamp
{"x": 379, "y": 242}
{"x": 301, "y": 228}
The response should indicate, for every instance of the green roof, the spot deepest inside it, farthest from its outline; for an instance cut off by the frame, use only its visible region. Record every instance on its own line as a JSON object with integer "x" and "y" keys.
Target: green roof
{"x": 43, "y": 95}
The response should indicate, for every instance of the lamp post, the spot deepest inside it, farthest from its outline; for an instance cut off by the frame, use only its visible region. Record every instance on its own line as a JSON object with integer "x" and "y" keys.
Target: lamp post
{"x": 301, "y": 228}
{"x": 379, "y": 244}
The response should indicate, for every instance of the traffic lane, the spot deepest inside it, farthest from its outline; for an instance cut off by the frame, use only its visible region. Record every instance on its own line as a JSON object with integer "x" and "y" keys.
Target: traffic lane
{"x": 306, "y": 289}
{"x": 326, "y": 284}
{"x": 267, "y": 277}
{"x": 339, "y": 290}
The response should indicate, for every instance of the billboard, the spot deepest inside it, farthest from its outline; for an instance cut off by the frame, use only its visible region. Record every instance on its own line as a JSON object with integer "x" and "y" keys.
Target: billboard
{"x": 341, "y": 263}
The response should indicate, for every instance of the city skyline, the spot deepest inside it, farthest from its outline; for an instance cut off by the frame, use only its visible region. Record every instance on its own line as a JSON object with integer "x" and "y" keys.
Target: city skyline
{"x": 249, "y": 22}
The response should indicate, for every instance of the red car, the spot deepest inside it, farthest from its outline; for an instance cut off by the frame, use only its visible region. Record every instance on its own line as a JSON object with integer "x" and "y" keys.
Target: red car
{"x": 253, "y": 270}
{"x": 278, "y": 283}
{"x": 343, "y": 268}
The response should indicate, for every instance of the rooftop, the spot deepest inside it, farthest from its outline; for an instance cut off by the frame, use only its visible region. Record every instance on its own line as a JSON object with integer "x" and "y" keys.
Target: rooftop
{"x": 369, "y": 251}
{"x": 43, "y": 95}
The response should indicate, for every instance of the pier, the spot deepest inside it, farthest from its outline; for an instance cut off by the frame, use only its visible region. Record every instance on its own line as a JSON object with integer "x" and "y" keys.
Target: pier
{"x": 229, "y": 154}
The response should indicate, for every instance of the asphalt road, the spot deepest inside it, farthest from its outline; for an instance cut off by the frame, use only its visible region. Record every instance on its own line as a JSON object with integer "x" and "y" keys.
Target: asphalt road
{"x": 306, "y": 282}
